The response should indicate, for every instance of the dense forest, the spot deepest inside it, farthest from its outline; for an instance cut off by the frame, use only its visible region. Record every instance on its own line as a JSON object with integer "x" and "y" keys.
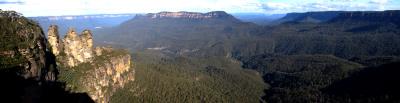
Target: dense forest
{"x": 162, "y": 78}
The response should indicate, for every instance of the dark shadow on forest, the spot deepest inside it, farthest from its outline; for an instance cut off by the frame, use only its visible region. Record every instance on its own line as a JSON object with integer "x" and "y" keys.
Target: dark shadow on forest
{"x": 16, "y": 89}
{"x": 379, "y": 84}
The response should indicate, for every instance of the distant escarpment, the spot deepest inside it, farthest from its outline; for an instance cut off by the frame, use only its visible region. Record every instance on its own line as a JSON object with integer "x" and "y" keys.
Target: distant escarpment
{"x": 177, "y": 32}
{"x": 98, "y": 71}
{"x": 389, "y": 16}
{"x": 315, "y": 17}
{"x": 343, "y": 16}
{"x": 188, "y": 15}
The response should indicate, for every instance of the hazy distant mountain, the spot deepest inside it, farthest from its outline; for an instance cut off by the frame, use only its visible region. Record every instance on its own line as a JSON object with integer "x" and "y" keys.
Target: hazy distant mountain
{"x": 176, "y": 32}
{"x": 335, "y": 34}
{"x": 258, "y": 18}
{"x": 81, "y": 22}
{"x": 389, "y": 16}
{"x": 314, "y": 17}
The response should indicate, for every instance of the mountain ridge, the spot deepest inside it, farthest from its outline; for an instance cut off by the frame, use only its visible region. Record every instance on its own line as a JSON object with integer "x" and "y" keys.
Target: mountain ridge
{"x": 188, "y": 15}
{"x": 336, "y": 16}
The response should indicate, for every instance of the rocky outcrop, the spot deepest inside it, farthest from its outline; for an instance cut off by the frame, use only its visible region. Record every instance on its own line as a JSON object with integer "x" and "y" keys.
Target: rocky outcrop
{"x": 189, "y": 15}
{"x": 108, "y": 75}
{"x": 98, "y": 51}
{"x": 23, "y": 46}
{"x": 87, "y": 44}
{"x": 98, "y": 71}
{"x": 77, "y": 49}
{"x": 28, "y": 71}
{"x": 54, "y": 39}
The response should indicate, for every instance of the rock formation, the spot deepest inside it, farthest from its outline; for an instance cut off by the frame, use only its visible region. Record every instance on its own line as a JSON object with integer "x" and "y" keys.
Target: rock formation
{"x": 114, "y": 72}
{"x": 87, "y": 44}
{"x": 77, "y": 49}
{"x": 104, "y": 69}
{"x": 54, "y": 39}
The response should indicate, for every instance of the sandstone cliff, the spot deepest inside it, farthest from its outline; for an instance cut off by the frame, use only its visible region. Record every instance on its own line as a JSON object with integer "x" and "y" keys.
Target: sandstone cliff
{"x": 54, "y": 40}
{"x": 97, "y": 71}
{"x": 78, "y": 48}
{"x": 114, "y": 72}
{"x": 384, "y": 17}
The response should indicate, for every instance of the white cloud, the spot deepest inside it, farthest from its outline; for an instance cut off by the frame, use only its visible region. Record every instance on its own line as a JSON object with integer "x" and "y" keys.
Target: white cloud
{"x": 276, "y": 6}
{"x": 381, "y": 4}
{"x": 327, "y": 5}
{"x": 343, "y": 0}
{"x": 379, "y": 1}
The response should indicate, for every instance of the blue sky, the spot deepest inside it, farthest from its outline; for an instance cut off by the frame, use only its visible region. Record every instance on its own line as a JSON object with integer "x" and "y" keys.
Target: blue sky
{"x": 78, "y": 7}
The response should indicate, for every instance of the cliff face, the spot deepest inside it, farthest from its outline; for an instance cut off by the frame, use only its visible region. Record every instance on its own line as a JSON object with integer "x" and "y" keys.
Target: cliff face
{"x": 98, "y": 72}
{"x": 189, "y": 15}
{"x": 315, "y": 17}
{"x": 23, "y": 46}
{"x": 389, "y": 16}
{"x": 114, "y": 72}
{"x": 54, "y": 40}
{"x": 344, "y": 16}
{"x": 87, "y": 44}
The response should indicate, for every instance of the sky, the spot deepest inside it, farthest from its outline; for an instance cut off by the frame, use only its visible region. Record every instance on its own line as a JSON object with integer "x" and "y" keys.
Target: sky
{"x": 80, "y": 7}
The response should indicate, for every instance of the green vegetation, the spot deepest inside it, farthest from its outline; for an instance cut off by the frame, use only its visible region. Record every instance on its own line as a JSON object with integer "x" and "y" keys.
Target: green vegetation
{"x": 300, "y": 77}
{"x": 16, "y": 32}
{"x": 72, "y": 76}
{"x": 161, "y": 78}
